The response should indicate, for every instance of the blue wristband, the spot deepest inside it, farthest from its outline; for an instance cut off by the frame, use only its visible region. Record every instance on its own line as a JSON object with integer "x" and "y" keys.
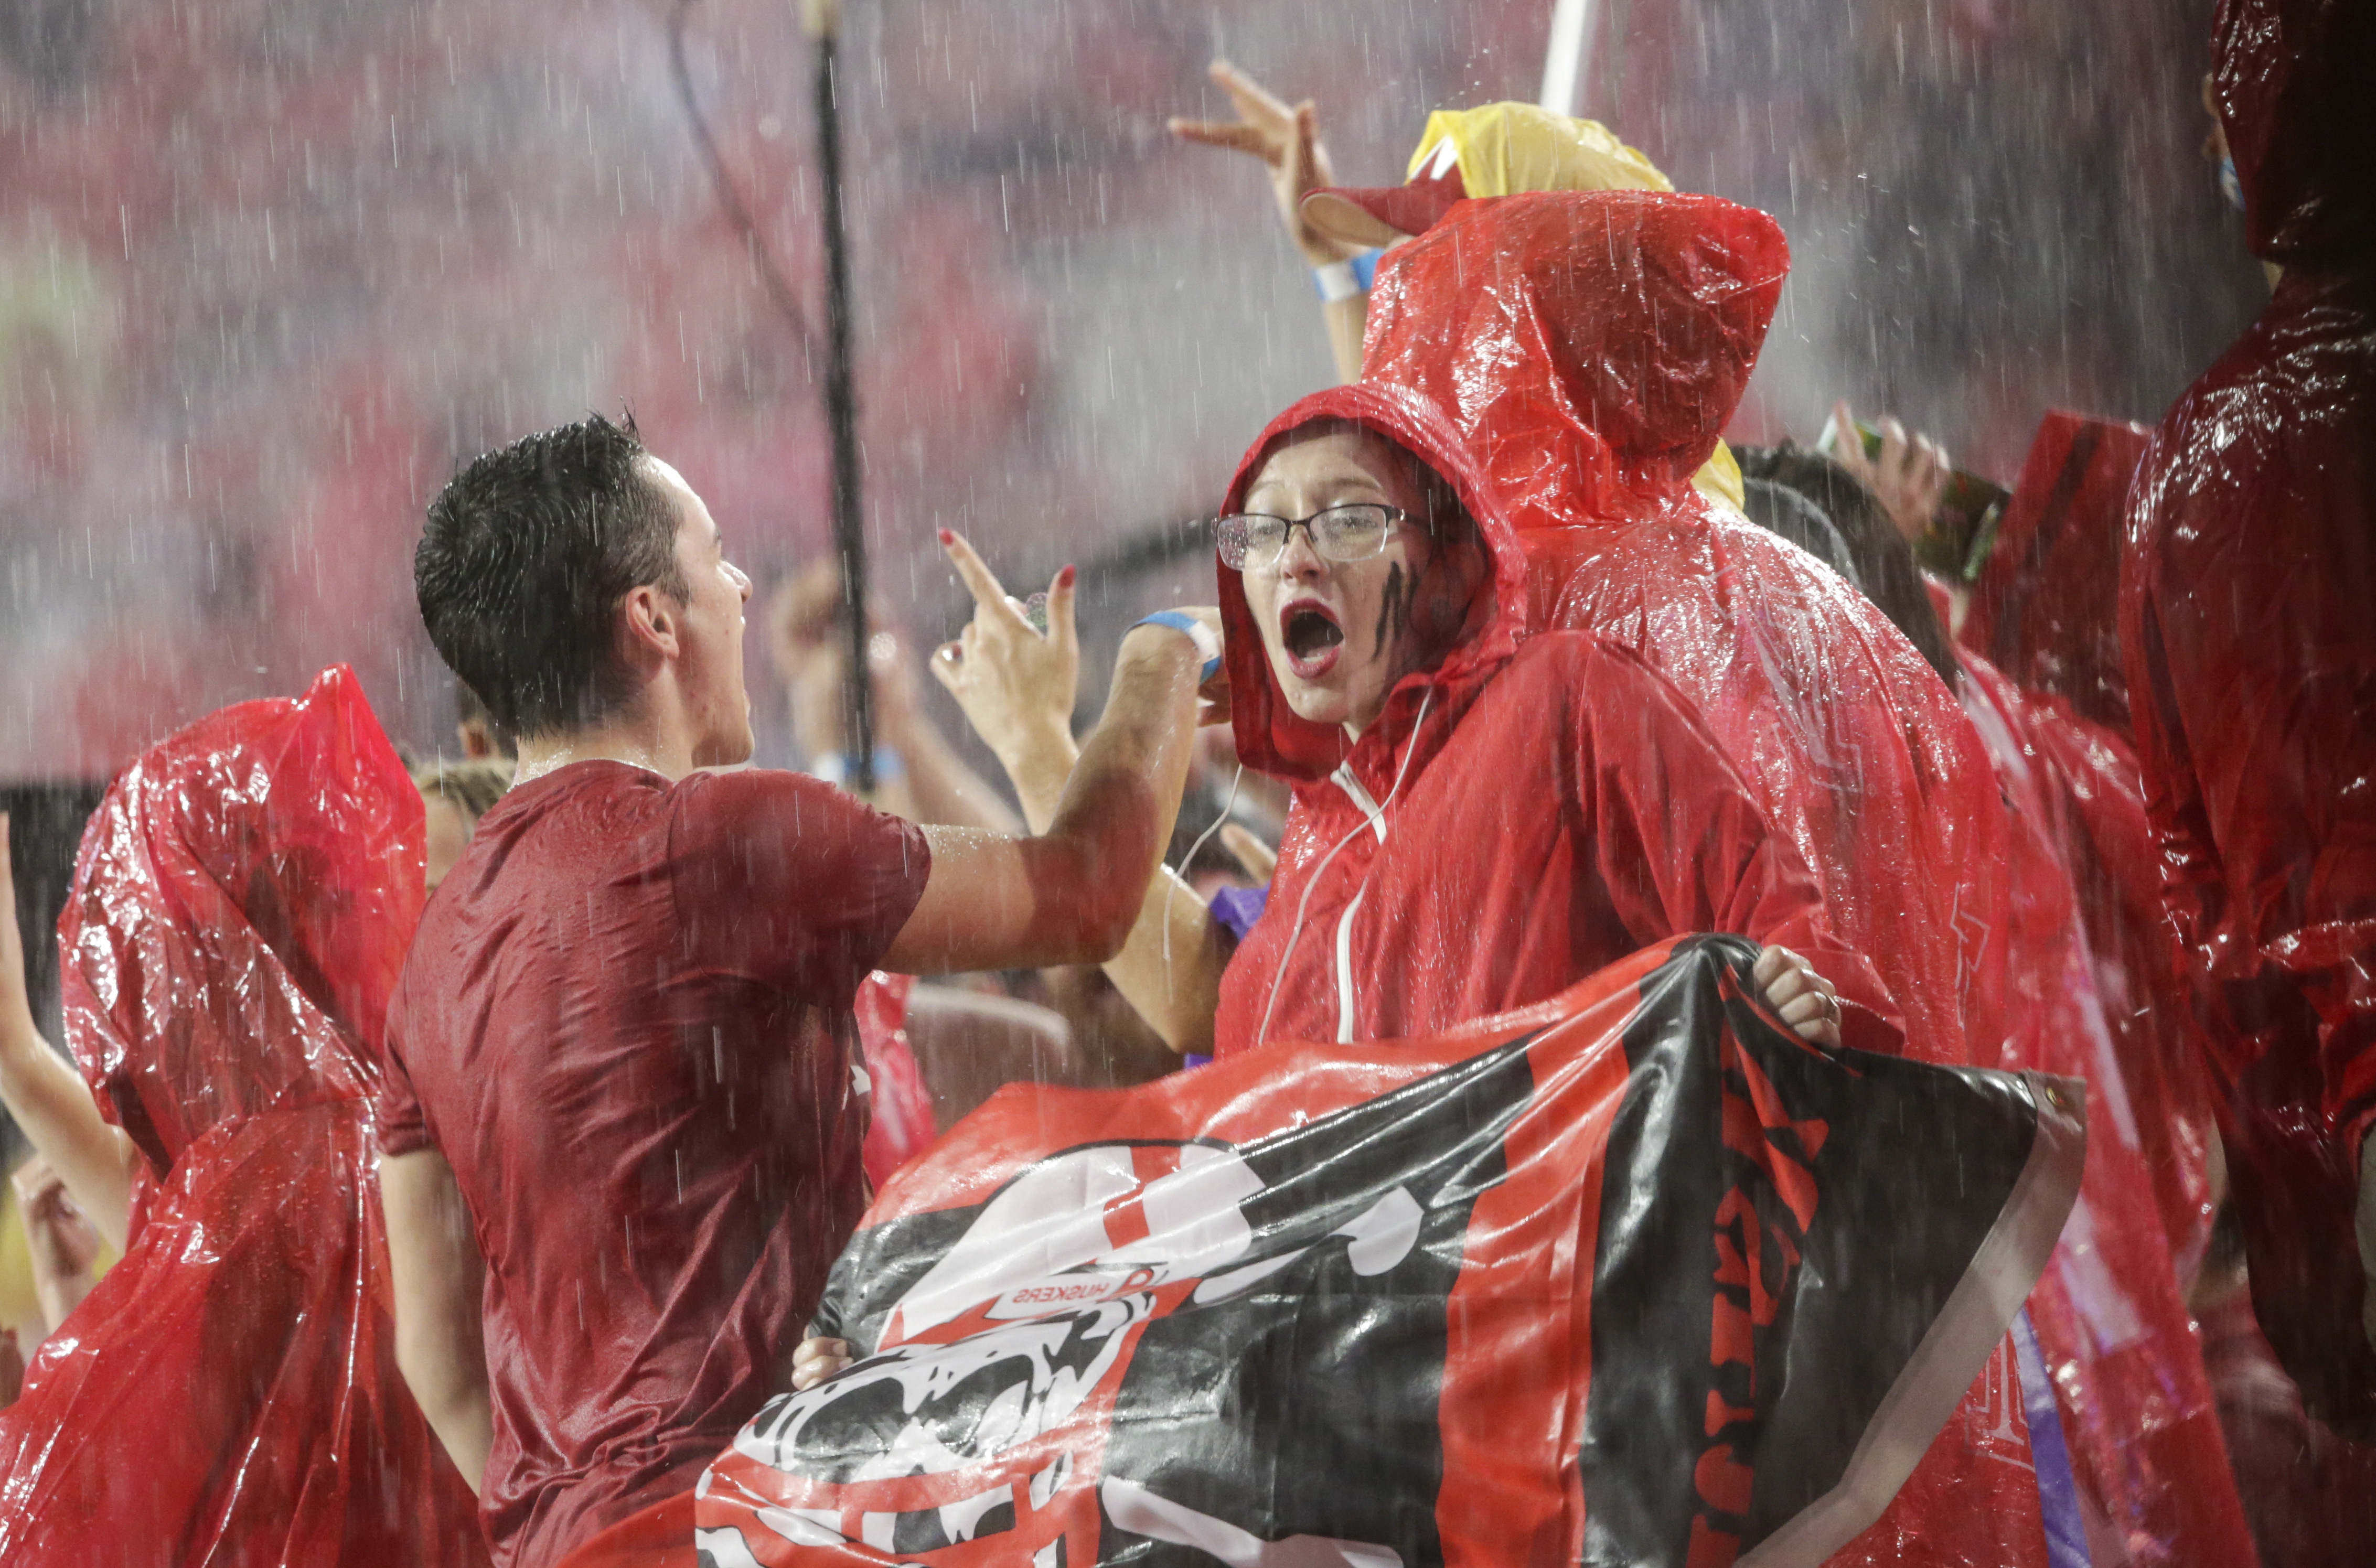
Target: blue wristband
{"x": 1346, "y": 279}
{"x": 1196, "y": 632}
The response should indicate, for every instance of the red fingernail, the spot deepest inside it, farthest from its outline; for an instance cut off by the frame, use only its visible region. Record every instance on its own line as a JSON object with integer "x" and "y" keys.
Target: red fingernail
{"x": 1064, "y": 578}
{"x": 947, "y": 538}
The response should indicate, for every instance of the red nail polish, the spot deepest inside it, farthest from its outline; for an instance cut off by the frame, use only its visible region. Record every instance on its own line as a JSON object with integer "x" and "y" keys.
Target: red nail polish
{"x": 947, "y": 538}
{"x": 1066, "y": 575}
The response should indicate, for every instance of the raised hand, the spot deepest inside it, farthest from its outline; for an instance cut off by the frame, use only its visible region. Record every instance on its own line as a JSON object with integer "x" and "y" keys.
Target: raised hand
{"x": 1286, "y": 139}
{"x": 1016, "y": 685}
{"x": 1909, "y": 476}
{"x": 806, "y": 642}
{"x": 1804, "y": 999}
{"x": 65, "y": 1244}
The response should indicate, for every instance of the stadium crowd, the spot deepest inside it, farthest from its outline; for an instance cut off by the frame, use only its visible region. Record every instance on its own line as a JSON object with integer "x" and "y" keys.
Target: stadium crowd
{"x": 468, "y": 1145}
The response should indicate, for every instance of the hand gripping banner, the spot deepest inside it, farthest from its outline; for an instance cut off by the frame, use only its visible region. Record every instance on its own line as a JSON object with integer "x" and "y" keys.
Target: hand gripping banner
{"x": 1634, "y": 1277}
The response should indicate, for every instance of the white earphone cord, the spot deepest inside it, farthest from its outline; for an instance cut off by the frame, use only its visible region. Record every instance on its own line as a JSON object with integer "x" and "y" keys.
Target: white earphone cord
{"x": 1189, "y": 859}
{"x": 1295, "y": 931}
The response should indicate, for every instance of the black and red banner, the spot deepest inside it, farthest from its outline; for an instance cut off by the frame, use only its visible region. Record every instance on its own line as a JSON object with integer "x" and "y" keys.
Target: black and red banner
{"x": 1634, "y": 1277}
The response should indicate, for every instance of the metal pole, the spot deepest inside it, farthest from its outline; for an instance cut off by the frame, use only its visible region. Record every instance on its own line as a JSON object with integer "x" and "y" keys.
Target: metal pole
{"x": 824, "y": 22}
{"x": 1568, "y": 55}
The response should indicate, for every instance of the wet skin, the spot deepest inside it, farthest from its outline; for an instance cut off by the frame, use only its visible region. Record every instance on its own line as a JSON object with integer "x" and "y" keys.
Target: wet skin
{"x": 1340, "y": 634}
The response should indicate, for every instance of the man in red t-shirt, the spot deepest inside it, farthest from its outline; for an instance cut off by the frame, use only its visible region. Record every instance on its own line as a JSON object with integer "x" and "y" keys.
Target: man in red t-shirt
{"x": 623, "y": 1111}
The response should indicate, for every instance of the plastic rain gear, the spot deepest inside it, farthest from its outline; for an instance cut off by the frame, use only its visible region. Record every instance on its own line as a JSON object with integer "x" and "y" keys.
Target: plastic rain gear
{"x": 899, "y": 1123}
{"x": 227, "y": 1393}
{"x": 2251, "y": 648}
{"x": 1589, "y": 347}
{"x": 1554, "y": 808}
{"x": 2110, "y": 1312}
{"x": 2044, "y": 614}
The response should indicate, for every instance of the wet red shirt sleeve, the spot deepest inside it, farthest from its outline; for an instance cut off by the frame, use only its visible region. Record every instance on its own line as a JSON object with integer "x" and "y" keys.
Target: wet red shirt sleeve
{"x": 792, "y": 881}
{"x": 402, "y": 1130}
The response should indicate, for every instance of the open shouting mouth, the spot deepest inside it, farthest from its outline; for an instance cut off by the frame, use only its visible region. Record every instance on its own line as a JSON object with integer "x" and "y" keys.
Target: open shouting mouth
{"x": 1309, "y": 632}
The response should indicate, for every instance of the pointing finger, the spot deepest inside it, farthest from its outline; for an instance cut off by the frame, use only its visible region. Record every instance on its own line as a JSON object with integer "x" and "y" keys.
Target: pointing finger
{"x": 1233, "y": 138}
{"x": 1061, "y": 627}
{"x": 1251, "y": 99}
{"x": 988, "y": 596}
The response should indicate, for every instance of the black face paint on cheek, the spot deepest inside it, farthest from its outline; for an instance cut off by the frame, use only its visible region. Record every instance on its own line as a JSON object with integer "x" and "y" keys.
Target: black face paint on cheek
{"x": 1394, "y": 608}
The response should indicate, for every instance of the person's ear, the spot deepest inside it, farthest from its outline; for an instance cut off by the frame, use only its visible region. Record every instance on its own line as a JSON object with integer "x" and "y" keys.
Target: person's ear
{"x": 650, "y": 625}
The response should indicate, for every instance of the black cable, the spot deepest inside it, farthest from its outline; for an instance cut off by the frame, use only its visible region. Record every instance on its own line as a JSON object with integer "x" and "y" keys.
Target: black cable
{"x": 840, "y": 400}
{"x": 730, "y": 196}
{"x": 841, "y": 416}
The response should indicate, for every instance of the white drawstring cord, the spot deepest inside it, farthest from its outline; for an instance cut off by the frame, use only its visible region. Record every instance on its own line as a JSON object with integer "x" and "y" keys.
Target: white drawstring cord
{"x": 1295, "y": 931}
{"x": 1190, "y": 859}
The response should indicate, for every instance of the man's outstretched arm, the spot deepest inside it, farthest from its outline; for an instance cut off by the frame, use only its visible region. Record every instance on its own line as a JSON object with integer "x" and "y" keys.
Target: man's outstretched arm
{"x": 1016, "y": 688}
{"x": 438, "y": 1273}
{"x": 1069, "y": 894}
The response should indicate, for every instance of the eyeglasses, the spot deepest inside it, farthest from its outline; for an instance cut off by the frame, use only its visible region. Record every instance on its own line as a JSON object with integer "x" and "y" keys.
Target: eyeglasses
{"x": 1357, "y": 533}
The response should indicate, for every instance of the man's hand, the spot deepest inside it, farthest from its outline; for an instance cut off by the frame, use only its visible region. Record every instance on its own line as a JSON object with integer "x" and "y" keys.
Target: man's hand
{"x": 1016, "y": 685}
{"x": 806, "y": 642}
{"x": 1804, "y": 999}
{"x": 1908, "y": 477}
{"x": 1286, "y": 140}
{"x": 65, "y": 1244}
{"x": 817, "y": 1360}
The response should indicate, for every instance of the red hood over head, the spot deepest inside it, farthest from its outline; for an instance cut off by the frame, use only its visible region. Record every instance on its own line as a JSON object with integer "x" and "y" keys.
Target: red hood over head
{"x": 2045, "y": 610}
{"x": 1270, "y": 737}
{"x": 241, "y": 906}
{"x": 1597, "y": 341}
{"x": 2290, "y": 78}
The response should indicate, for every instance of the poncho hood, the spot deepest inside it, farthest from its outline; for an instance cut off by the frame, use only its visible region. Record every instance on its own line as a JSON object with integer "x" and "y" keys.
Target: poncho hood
{"x": 1598, "y": 340}
{"x": 2290, "y": 79}
{"x": 241, "y": 907}
{"x": 1271, "y": 738}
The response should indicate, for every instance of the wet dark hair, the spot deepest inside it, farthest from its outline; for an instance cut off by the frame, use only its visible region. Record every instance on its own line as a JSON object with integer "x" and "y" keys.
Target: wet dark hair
{"x": 1884, "y": 563}
{"x": 525, "y": 557}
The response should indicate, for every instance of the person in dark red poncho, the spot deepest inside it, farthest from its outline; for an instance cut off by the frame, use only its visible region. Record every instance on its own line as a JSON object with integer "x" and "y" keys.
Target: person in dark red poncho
{"x": 229, "y": 1392}
{"x": 2251, "y": 643}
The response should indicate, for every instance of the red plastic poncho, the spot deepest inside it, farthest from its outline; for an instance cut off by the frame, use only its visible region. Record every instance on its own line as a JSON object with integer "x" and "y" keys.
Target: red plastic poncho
{"x": 2045, "y": 615}
{"x": 900, "y": 1121}
{"x": 228, "y": 1394}
{"x": 1518, "y": 818}
{"x": 1589, "y": 346}
{"x": 2110, "y": 1312}
{"x": 2247, "y": 624}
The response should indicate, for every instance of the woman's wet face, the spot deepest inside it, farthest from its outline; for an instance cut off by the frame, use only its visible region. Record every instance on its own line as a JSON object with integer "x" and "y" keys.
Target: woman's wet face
{"x": 1340, "y": 634}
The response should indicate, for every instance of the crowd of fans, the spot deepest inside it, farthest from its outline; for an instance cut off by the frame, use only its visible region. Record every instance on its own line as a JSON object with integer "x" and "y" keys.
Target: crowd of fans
{"x": 1516, "y": 667}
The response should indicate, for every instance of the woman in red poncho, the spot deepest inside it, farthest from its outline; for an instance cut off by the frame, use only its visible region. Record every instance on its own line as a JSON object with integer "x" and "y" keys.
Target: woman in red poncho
{"x": 2247, "y": 628}
{"x": 1478, "y": 821}
{"x": 227, "y": 1393}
